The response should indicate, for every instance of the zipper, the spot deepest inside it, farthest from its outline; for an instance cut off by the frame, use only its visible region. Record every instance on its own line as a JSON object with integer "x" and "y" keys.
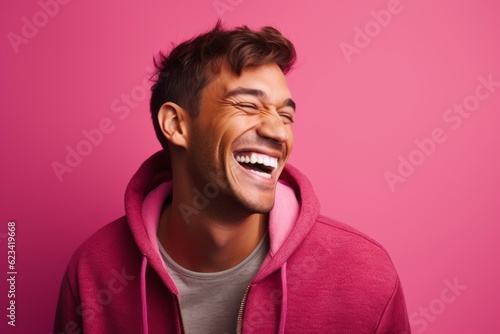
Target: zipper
{"x": 239, "y": 322}
{"x": 180, "y": 313}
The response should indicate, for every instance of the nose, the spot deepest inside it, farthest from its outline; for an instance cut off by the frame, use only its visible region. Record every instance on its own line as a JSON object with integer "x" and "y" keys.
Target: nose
{"x": 272, "y": 127}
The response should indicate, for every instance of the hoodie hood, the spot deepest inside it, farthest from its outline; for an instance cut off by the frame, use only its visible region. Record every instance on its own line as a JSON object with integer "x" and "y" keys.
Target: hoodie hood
{"x": 296, "y": 208}
{"x": 291, "y": 219}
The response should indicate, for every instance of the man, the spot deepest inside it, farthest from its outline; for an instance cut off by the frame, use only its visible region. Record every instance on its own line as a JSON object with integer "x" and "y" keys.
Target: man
{"x": 220, "y": 234}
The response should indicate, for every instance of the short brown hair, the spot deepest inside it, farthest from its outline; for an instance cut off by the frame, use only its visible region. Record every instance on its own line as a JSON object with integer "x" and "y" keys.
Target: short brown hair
{"x": 182, "y": 74}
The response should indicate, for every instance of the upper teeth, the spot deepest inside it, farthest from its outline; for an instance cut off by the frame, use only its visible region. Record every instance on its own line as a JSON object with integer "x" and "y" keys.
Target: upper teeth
{"x": 261, "y": 159}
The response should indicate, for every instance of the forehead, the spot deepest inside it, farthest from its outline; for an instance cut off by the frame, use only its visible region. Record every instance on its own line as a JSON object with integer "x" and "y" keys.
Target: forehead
{"x": 266, "y": 78}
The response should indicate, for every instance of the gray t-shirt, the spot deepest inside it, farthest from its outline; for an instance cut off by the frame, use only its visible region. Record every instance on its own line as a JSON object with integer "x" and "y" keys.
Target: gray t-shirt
{"x": 210, "y": 302}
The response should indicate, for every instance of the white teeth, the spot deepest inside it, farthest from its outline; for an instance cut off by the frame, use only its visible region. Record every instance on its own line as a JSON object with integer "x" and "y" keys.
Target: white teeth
{"x": 267, "y": 176}
{"x": 255, "y": 158}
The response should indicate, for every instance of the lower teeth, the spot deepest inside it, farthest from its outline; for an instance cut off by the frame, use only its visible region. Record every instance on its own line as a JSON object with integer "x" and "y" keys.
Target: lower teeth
{"x": 267, "y": 176}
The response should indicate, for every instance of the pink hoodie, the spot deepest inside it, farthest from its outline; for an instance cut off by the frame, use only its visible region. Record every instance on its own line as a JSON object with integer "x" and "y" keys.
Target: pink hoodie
{"x": 320, "y": 275}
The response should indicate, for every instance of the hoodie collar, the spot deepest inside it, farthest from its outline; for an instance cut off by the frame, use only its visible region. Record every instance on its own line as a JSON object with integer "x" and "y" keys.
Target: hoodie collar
{"x": 296, "y": 209}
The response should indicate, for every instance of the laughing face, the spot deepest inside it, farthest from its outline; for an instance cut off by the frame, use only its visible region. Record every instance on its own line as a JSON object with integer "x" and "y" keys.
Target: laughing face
{"x": 242, "y": 137}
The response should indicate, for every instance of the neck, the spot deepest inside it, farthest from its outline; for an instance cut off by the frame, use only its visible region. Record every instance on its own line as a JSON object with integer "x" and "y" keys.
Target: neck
{"x": 205, "y": 241}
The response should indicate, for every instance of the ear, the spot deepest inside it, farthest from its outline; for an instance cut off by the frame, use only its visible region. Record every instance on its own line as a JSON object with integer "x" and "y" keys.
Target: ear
{"x": 173, "y": 122}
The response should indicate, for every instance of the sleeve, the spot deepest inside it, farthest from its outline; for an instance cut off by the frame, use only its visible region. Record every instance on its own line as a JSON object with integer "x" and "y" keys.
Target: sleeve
{"x": 68, "y": 319}
{"x": 394, "y": 319}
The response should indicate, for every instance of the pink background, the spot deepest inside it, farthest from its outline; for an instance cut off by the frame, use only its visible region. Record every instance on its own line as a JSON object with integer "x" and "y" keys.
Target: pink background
{"x": 357, "y": 115}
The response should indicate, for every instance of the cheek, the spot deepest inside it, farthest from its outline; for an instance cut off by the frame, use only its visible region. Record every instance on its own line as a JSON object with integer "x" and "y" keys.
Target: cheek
{"x": 234, "y": 128}
{"x": 290, "y": 139}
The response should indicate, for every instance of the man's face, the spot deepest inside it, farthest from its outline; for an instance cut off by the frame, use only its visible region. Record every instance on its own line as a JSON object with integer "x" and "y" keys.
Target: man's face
{"x": 242, "y": 137}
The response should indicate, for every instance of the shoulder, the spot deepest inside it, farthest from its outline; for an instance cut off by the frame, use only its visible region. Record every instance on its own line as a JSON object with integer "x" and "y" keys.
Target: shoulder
{"x": 346, "y": 275}
{"x": 113, "y": 235}
{"x": 349, "y": 256}
{"x": 352, "y": 237}
{"x": 340, "y": 236}
{"x": 109, "y": 248}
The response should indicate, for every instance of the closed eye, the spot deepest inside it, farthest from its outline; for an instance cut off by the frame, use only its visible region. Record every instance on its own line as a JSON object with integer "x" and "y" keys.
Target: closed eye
{"x": 247, "y": 105}
{"x": 287, "y": 116}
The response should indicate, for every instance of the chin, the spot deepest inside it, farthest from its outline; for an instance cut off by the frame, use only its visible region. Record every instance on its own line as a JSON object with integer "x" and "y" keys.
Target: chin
{"x": 263, "y": 206}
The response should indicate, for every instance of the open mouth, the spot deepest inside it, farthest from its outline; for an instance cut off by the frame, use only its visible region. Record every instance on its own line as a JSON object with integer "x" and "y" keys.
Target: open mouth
{"x": 260, "y": 164}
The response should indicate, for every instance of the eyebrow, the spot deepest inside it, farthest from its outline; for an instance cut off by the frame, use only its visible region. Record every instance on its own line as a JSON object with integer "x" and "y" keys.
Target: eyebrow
{"x": 257, "y": 93}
